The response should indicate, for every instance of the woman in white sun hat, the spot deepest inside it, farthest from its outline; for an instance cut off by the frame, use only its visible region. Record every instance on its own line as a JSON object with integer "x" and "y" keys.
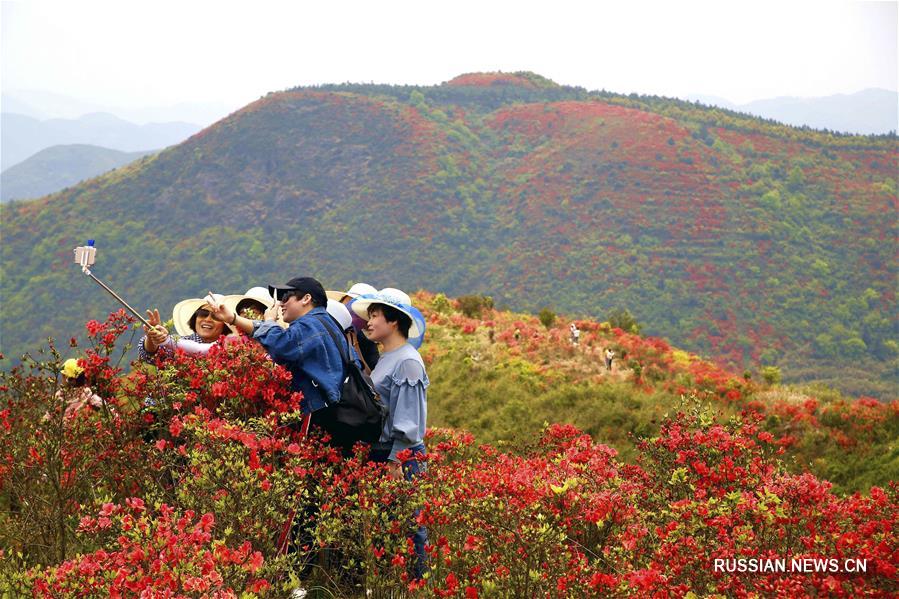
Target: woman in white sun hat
{"x": 402, "y": 382}
{"x": 341, "y": 314}
{"x": 193, "y": 322}
{"x": 252, "y": 304}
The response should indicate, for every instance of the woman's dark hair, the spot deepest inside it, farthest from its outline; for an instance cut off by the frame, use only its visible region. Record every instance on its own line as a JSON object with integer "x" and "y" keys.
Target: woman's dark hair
{"x": 391, "y": 314}
{"x": 192, "y": 322}
{"x": 249, "y": 302}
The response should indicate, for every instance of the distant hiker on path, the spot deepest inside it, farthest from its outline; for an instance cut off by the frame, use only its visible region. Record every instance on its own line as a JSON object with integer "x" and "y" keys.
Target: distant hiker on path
{"x": 610, "y": 355}
{"x": 575, "y": 334}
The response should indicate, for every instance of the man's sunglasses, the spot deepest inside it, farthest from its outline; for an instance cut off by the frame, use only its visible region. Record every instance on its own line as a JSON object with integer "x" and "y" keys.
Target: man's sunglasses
{"x": 282, "y": 295}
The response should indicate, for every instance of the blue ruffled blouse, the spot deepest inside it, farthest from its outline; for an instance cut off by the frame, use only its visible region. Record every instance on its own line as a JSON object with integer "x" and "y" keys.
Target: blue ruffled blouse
{"x": 401, "y": 381}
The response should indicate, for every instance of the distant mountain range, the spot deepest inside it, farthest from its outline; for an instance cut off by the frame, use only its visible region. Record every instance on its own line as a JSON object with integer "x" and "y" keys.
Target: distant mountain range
{"x": 871, "y": 111}
{"x": 741, "y": 239}
{"x": 23, "y": 136}
{"x": 58, "y": 167}
{"x": 44, "y": 105}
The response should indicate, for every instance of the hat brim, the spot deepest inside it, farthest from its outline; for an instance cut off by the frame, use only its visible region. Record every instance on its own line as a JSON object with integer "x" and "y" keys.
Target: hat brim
{"x": 182, "y": 312}
{"x": 338, "y": 295}
{"x": 273, "y": 288}
{"x": 360, "y": 307}
{"x": 231, "y": 301}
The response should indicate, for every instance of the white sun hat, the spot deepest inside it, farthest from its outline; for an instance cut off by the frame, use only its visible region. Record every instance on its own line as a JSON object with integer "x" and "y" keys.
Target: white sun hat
{"x": 394, "y": 298}
{"x": 340, "y": 313}
{"x": 256, "y": 294}
{"x": 357, "y": 290}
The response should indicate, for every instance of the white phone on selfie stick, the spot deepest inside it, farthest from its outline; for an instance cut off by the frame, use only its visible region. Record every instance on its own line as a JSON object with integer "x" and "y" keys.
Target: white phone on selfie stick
{"x": 85, "y": 256}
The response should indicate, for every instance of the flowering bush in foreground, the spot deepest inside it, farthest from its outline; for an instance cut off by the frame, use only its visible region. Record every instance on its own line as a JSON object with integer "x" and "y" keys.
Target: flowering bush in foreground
{"x": 218, "y": 478}
{"x": 153, "y": 555}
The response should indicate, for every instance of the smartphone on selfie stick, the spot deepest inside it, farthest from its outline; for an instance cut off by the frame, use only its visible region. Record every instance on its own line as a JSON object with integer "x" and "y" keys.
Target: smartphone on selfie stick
{"x": 85, "y": 256}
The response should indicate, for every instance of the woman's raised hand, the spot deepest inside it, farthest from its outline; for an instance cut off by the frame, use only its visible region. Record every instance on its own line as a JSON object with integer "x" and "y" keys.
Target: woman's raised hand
{"x": 273, "y": 313}
{"x": 156, "y": 333}
{"x": 220, "y": 312}
{"x": 153, "y": 319}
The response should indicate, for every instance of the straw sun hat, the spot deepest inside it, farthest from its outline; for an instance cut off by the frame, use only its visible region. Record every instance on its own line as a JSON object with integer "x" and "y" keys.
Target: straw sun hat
{"x": 356, "y": 291}
{"x": 184, "y": 310}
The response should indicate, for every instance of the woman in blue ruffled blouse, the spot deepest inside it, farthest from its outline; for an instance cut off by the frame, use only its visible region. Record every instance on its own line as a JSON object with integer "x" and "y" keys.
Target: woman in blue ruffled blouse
{"x": 402, "y": 382}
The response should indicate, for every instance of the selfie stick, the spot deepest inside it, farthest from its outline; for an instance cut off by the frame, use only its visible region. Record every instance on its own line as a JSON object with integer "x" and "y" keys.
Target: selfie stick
{"x": 85, "y": 255}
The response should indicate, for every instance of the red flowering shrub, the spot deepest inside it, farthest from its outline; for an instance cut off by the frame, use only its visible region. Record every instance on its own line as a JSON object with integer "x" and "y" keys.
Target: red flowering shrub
{"x": 57, "y": 458}
{"x": 235, "y": 379}
{"x": 162, "y": 554}
{"x": 244, "y": 505}
{"x": 363, "y": 520}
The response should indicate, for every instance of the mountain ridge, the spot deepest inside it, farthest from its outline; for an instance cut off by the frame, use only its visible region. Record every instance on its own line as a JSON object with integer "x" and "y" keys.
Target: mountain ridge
{"x": 865, "y": 112}
{"x": 57, "y": 167}
{"x": 735, "y": 237}
{"x": 24, "y": 136}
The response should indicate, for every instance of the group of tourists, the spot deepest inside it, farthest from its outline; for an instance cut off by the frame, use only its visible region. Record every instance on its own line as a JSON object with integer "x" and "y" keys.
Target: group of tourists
{"x": 319, "y": 336}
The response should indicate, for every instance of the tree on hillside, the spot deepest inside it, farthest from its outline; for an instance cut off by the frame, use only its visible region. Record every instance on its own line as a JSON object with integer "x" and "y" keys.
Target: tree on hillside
{"x": 621, "y": 318}
{"x": 771, "y": 374}
{"x": 547, "y": 317}
{"x": 473, "y": 306}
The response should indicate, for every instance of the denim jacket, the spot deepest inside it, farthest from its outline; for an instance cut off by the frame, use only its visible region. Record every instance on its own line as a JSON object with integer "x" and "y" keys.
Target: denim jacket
{"x": 308, "y": 351}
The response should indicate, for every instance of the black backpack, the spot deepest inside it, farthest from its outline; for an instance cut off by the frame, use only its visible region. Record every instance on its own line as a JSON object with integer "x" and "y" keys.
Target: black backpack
{"x": 359, "y": 414}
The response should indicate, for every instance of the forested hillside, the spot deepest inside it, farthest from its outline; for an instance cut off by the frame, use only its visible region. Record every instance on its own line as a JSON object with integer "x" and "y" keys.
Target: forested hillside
{"x": 750, "y": 242}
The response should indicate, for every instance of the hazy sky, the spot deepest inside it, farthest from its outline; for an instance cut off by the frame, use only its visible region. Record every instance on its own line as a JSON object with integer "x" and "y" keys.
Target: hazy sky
{"x": 141, "y": 53}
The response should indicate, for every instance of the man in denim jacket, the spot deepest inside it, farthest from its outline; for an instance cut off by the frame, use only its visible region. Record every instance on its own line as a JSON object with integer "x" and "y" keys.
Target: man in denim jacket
{"x": 305, "y": 347}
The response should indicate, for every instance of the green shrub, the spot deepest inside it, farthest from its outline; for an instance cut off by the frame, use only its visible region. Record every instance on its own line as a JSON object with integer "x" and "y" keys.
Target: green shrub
{"x": 771, "y": 374}
{"x": 473, "y": 306}
{"x": 622, "y": 319}
{"x": 441, "y": 304}
{"x": 636, "y": 367}
{"x": 547, "y": 317}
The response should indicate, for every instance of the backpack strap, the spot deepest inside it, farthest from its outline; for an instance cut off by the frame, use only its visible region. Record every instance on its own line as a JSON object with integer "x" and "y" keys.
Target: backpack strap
{"x": 355, "y": 342}
{"x": 344, "y": 356}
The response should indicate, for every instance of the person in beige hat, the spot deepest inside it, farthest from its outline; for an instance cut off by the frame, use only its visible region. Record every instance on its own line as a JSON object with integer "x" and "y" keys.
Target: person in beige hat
{"x": 193, "y": 322}
{"x": 357, "y": 290}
